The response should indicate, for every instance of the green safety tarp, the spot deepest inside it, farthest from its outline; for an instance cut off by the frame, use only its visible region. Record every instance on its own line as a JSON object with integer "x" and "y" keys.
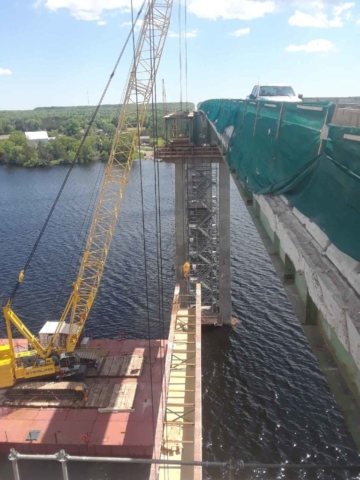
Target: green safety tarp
{"x": 294, "y": 150}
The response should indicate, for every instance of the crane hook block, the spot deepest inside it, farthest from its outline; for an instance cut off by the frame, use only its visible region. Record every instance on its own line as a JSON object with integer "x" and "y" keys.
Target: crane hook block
{"x": 21, "y": 276}
{"x": 186, "y": 269}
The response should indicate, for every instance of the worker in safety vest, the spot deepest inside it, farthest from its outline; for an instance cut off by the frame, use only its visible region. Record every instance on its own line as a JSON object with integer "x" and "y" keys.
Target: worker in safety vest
{"x": 186, "y": 269}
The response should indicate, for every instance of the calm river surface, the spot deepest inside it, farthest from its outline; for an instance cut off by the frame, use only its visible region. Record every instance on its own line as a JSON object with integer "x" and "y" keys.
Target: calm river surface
{"x": 264, "y": 397}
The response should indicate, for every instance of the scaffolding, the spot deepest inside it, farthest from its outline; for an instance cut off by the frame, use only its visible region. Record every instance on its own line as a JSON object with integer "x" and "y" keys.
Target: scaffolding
{"x": 197, "y": 212}
{"x": 202, "y": 213}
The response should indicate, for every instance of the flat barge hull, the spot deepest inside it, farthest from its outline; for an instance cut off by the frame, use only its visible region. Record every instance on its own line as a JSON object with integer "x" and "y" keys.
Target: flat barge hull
{"x": 118, "y": 419}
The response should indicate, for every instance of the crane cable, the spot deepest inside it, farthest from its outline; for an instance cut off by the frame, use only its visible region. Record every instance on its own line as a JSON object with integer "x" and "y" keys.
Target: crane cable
{"x": 186, "y": 167}
{"x": 155, "y": 137}
{"x": 81, "y": 238}
{"x": 77, "y": 154}
{"x": 80, "y": 245}
{"x": 155, "y": 124}
{"x": 159, "y": 256}
{"x": 142, "y": 202}
{"x": 186, "y": 59}
{"x": 180, "y": 57}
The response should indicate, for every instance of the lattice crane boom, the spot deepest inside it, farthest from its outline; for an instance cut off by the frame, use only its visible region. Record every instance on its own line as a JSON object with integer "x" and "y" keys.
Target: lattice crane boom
{"x": 138, "y": 91}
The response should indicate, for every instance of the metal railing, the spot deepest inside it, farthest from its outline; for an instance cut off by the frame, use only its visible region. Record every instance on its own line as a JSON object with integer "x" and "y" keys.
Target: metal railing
{"x": 230, "y": 466}
{"x": 64, "y": 458}
{"x": 181, "y": 152}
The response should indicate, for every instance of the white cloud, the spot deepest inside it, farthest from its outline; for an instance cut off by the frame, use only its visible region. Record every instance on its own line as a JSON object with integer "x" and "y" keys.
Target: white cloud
{"x": 231, "y": 9}
{"x": 88, "y": 10}
{"x": 5, "y": 71}
{"x": 319, "y": 19}
{"x": 94, "y": 10}
{"x": 241, "y": 32}
{"x": 338, "y": 10}
{"x": 189, "y": 34}
{"x": 314, "y": 46}
{"x": 101, "y": 23}
{"x": 311, "y": 5}
{"x": 358, "y": 22}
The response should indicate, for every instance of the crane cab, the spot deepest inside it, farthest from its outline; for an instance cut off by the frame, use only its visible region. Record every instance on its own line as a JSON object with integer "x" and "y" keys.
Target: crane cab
{"x": 70, "y": 365}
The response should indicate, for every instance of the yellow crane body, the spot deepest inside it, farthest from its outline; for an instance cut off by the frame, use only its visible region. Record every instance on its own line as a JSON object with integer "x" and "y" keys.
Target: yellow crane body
{"x": 22, "y": 365}
{"x": 14, "y": 368}
{"x": 6, "y": 369}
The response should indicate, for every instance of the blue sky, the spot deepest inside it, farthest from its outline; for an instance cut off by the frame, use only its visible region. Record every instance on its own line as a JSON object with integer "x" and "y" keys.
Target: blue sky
{"x": 57, "y": 52}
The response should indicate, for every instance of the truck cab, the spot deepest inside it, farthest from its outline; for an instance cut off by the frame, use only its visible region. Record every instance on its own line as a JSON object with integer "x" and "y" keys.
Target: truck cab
{"x": 275, "y": 93}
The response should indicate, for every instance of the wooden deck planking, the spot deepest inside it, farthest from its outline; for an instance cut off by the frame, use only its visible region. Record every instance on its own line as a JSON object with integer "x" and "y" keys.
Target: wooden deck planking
{"x": 102, "y": 398}
{"x": 115, "y": 367}
{"x": 122, "y": 399}
{"x": 123, "y": 366}
{"x": 94, "y": 396}
{"x": 135, "y": 366}
{"x": 107, "y": 366}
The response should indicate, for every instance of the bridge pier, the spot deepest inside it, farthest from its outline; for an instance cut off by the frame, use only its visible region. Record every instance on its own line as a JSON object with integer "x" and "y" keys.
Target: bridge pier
{"x": 311, "y": 314}
{"x": 202, "y": 214}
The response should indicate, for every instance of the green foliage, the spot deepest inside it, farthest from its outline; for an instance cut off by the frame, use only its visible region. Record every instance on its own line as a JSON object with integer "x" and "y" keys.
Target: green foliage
{"x": 67, "y": 125}
{"x": 72, "y": 128}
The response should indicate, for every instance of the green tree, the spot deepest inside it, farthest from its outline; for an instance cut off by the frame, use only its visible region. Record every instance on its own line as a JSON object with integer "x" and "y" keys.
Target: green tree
{"x": 87, "y": 153}
{"x": 18, "y": 138}
{"x": 72, "y": 128}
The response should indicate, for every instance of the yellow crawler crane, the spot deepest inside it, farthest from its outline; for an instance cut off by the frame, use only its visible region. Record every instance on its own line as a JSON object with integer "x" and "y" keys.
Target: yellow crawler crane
{"x": 56, "y": 360}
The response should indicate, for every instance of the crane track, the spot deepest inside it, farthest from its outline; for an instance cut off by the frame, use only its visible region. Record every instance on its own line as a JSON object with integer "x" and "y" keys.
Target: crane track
{"x": 47, "y": 390}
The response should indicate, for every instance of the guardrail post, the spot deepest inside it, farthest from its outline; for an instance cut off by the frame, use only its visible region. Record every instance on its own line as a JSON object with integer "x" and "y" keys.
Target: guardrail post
{"x": 14, "y": 460}
{"x": 256, "y": 118}
{"x": 324, "y": 133}
{"x": 62, "y": 458}
{"x": 243, "y": 119}
{"x": 279, "y": 120}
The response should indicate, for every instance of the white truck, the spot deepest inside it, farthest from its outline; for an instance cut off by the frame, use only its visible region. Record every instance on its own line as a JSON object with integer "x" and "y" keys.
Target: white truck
{"x": 277, "y": 93}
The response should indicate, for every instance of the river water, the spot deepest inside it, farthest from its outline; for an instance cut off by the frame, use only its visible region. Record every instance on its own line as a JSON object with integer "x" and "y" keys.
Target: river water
{"x": 264, "y": 397}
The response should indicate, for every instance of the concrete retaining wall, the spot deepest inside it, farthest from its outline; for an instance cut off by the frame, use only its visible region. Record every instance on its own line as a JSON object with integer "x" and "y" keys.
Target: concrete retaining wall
{"x": 328, "y": 284}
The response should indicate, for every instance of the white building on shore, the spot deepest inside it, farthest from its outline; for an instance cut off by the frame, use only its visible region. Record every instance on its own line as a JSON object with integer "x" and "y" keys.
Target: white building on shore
{"x": 35, "y": 137}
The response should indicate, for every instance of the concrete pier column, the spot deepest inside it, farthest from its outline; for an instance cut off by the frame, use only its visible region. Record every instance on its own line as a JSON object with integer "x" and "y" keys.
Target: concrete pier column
{"x": 289, "y": 271}
{"x": 311, "y": 311}
{"x": 224, "y": 244}
{"x": 180, "y": 221}
{"x": 249, "y": 197}
{"x": 256, "y": 208}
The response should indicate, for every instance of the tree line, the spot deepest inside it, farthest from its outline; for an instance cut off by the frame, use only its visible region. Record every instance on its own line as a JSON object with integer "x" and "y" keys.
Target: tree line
{"x": 67, "y": 126}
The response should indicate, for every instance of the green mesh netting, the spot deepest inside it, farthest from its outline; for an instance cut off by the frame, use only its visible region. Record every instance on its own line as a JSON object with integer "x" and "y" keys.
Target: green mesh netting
{"x": 277, "y": 149}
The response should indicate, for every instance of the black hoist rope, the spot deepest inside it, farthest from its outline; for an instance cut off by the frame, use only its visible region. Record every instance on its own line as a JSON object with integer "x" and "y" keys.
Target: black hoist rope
{"x": 151, "y": 53}
{"x": 186, "y": 58}
{"x": 180, "y": 58}
{"x": 77, "y": 154}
